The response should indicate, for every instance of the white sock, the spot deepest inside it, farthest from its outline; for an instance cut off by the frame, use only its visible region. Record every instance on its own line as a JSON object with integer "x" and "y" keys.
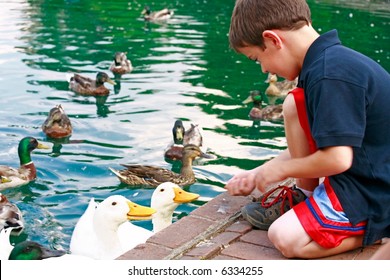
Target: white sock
{"x": 306, "y": 192}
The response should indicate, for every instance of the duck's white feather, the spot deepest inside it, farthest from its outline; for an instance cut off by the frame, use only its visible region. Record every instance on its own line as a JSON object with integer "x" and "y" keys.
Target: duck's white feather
{"x": 97, "y": 234}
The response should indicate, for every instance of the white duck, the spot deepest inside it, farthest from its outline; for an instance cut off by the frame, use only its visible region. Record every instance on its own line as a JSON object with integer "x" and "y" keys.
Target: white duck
{"x": 96, "y": 234}
{"x": 165, "y": 199}
{"x": 10, "y": 216}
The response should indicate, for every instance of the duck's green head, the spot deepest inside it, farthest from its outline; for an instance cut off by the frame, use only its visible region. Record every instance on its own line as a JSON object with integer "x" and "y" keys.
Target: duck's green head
{"x": 102, "y": 78}
{"x": 178, "y": 132}
{"x": 146, "y": 11}
{"x": 29, "y": 250}
{"x": 26, "y": 146}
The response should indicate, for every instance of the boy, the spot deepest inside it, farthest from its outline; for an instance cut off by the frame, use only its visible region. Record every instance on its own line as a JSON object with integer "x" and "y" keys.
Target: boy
{"x": 336, "y": 129}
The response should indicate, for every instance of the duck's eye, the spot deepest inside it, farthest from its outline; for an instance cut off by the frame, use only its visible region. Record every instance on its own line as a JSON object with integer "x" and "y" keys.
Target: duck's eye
{"x": 162, "y": 190}
{"x": 113, "y": 204}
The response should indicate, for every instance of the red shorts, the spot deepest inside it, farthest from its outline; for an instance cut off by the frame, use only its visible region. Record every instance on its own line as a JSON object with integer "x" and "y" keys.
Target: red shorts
{"x": 321, "y": 215}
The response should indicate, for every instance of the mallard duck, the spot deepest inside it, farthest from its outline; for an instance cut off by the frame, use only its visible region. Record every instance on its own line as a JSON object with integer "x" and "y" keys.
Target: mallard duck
{"x": 89, "y": 87}
{"x": 174, "y": 150}
{"x": 279, "y": 89}
{"x": 121, "y": 65}
{"x": 154, "y": 176}
{"x": 162, "y": 15}
{"x": 10, "y": 216}
{"x": 182, "y": 137}
{"x": 57, "y": 124}
{"x": 270, "y": 112}
{"x": 30, "y": 250}
{"x": 27, "y": 171}
{"x": 96, "y": 234}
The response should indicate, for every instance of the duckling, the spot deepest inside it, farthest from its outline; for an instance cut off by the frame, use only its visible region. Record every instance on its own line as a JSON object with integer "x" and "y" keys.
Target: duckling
{"x": 174, "y": 150}
{"x": 96, "y": 234}
{"x": 279, "y": 89}
{"x": 57, "y": 124}
{"x": 270, "y": 112}
{"x": 121, "y": 65}
{"x": 10, "y": 216}
{"x": 153, "y": 176}
{"x": 162, "y": 15}
{"x": 27, "y": 171}
{"x": 89, "y": 87}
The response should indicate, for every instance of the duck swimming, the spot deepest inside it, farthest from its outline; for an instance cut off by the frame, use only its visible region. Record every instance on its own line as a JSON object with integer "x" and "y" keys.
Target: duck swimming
{"x": 27, "y": 171}
{"x": 121, "y": 65}
{"x": 270, "y": 112}
{"x": 153, "y": 176}
{"x": 89, "y": 87}
{"x": 10, "y": 216}
{"x": 182, "y": 137}
{"x": 57, "y": 124}
{"x": 279, "y": 89}
{"x": 96, "y": 234}
{"x": 174, "y": 150}
{"x": 161, "y": 15}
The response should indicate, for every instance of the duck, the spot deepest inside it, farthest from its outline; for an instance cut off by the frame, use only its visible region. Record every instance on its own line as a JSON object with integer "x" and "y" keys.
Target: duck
{"x": 26, "y": 171}
{"x": 165, "y": 199}
{"x": 279, "y": 89}
{"x": 182, "y": 137}
{"x": 31, "y": 250}
{"x": 57, "y": 125}
{"x": 96, "y": 234}
{"x": 89, "y": 87}
{"x": 10, "y": 216}
{"x": 152, "y": 176}
{"x": 161, "y": 15}
{"x": 174, "y": 150}
{"x": 121, "y": 65}
{"x": 270, "y": 112}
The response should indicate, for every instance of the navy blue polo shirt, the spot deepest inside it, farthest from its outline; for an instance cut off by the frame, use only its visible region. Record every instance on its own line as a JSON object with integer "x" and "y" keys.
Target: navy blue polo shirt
{"x": 348, "y": 104}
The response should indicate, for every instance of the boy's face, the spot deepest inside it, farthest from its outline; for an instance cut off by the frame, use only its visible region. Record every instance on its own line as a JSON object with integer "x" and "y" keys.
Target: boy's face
{"x": 275, "y": 59}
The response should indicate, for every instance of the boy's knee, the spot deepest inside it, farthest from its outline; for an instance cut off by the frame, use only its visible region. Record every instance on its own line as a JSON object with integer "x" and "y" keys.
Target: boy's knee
{"x": 281, "y": 241}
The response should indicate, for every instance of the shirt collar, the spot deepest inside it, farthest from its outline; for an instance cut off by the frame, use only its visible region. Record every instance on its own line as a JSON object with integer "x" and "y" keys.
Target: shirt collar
{"x": 323, "y": 42}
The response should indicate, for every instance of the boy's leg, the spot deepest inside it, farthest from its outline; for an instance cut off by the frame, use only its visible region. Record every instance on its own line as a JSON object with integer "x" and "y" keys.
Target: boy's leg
{"x": 290, "y": 238}
{"x": 298, "y": 146}
{"x": 297, "y": 142}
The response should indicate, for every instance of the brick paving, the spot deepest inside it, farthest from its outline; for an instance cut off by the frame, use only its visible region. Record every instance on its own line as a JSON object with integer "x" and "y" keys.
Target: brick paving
{"x": 216, "y": 231}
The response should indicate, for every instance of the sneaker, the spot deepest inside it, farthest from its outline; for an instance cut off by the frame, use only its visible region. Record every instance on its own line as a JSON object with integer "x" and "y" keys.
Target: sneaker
{"x": 264, "y": 212}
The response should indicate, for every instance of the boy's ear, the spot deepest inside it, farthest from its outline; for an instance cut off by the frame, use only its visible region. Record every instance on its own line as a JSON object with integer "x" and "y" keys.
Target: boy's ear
{"x": 273, "y": 38}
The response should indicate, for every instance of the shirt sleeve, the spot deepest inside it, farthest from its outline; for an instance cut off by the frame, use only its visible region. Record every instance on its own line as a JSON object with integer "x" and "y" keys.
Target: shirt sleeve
{"x": 337, "y": 109}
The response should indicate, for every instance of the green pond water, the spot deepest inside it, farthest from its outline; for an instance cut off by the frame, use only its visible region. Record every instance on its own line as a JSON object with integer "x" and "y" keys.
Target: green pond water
{"x": 183, "y": 69}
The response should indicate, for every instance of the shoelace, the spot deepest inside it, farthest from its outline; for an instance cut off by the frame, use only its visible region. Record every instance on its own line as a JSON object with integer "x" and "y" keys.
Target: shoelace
{"x": 285, "y": 193}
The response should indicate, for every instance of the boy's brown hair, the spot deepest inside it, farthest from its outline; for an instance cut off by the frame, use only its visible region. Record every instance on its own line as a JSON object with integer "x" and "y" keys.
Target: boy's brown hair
{"x": 251, "y": 17}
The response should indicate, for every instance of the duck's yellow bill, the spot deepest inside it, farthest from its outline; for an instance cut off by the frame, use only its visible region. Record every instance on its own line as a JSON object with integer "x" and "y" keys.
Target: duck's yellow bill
{"x": 139, "y": 212}
{"x": 42, "y": 146}
{"x": 181, "y": 196}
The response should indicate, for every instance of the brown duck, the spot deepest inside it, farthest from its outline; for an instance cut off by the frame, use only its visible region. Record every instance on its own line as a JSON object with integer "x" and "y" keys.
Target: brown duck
{"x": 154, "y": 176}
{"x": 258, "y": 112}
{"x": 89, "y": 87}
{"x": 57, "y": 124}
